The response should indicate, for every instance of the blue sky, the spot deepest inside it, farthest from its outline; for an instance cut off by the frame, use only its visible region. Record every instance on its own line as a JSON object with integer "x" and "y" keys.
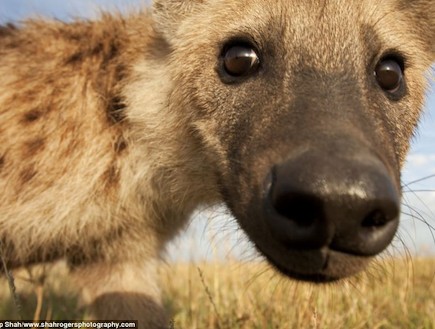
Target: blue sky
{"x": 207, "y": 225}
{"x": 65, "y": 10}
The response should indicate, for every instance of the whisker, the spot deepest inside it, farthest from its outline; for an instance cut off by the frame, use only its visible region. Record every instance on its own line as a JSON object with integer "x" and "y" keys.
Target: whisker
{"x": 420, "y": 219}
{"x": 418, "y": 180}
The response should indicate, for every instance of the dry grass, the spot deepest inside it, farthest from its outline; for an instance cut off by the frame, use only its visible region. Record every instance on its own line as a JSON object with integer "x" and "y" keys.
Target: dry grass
{"x": 392, "y": 294}
{"x": 45, "y": 293}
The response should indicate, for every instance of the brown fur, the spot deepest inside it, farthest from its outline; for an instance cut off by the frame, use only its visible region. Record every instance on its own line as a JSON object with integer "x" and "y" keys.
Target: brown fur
{"x": 113, "y": 131}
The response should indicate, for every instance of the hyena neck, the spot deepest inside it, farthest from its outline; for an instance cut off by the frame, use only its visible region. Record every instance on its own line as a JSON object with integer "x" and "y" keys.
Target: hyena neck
{"x": 166, "y": 163}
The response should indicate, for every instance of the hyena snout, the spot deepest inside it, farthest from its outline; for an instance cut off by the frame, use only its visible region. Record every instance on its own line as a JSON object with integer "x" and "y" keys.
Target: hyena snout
{"x": 348, "y": 204}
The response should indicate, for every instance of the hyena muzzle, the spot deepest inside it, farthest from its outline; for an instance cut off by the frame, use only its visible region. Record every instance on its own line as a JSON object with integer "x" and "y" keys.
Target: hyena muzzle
{"x": 296, "y": 114}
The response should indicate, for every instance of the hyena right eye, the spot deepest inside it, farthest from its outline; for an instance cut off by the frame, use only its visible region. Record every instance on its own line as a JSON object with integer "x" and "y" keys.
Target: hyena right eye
{"x": 240, "y": 60}
{"x": 389, "y": 75}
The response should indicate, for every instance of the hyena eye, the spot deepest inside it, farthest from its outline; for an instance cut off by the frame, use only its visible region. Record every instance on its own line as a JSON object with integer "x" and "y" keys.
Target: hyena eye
{"x": 389, "y": 75}
{"x": 240, "y": 60}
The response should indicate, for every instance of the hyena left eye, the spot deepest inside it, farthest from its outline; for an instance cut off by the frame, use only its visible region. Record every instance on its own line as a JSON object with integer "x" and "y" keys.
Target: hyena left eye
{"x": 389, "y": 75}
{"x": 240, "y": 60}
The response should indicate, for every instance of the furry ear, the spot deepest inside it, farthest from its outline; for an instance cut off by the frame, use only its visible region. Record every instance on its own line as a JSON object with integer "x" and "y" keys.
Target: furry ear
{"x": 168, "y": 14}
{"x": 423, "y": 14}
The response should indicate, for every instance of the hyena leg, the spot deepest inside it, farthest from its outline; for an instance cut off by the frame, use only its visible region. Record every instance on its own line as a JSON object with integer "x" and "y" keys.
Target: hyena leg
{"x": 123, "y": 291}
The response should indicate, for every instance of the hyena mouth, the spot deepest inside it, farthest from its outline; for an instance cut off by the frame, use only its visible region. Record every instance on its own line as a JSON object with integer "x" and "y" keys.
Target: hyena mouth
{"x": 325, "y": 266}
{"x": 327, "y": 216}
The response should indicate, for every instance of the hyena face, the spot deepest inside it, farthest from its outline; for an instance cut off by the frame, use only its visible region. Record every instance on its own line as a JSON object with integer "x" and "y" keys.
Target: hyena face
{"x": 306, "y": 108}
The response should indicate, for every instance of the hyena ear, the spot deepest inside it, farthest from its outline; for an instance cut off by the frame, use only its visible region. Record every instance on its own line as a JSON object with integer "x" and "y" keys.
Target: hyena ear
{"x": 168, "y": 14}
{"x": 423, "y": 12}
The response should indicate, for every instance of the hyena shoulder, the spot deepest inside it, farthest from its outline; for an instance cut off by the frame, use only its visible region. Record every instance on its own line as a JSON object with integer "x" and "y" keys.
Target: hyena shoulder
{"x": 64, "y": 139}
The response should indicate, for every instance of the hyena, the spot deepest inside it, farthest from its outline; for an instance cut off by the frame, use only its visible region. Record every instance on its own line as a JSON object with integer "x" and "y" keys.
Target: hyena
{"x": 296, "y": 114}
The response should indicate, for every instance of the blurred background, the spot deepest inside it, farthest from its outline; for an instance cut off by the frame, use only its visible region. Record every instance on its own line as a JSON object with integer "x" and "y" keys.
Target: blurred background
{"x": 213, "y": 234}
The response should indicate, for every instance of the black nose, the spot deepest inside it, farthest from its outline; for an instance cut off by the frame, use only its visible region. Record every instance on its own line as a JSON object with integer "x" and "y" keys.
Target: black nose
{"x": 349, "y": 204}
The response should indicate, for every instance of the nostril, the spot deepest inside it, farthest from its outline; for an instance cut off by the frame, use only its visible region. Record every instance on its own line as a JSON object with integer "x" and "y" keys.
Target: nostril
{"x": 370, "y": 227}
{"x": 304, "y": 210}
{"x": 298, "y": 219}
{"x": 375, "y": 219}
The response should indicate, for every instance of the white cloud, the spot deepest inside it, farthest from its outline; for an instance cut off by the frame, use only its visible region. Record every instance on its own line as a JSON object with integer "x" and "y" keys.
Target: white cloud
{"x": 421, "y": 160}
